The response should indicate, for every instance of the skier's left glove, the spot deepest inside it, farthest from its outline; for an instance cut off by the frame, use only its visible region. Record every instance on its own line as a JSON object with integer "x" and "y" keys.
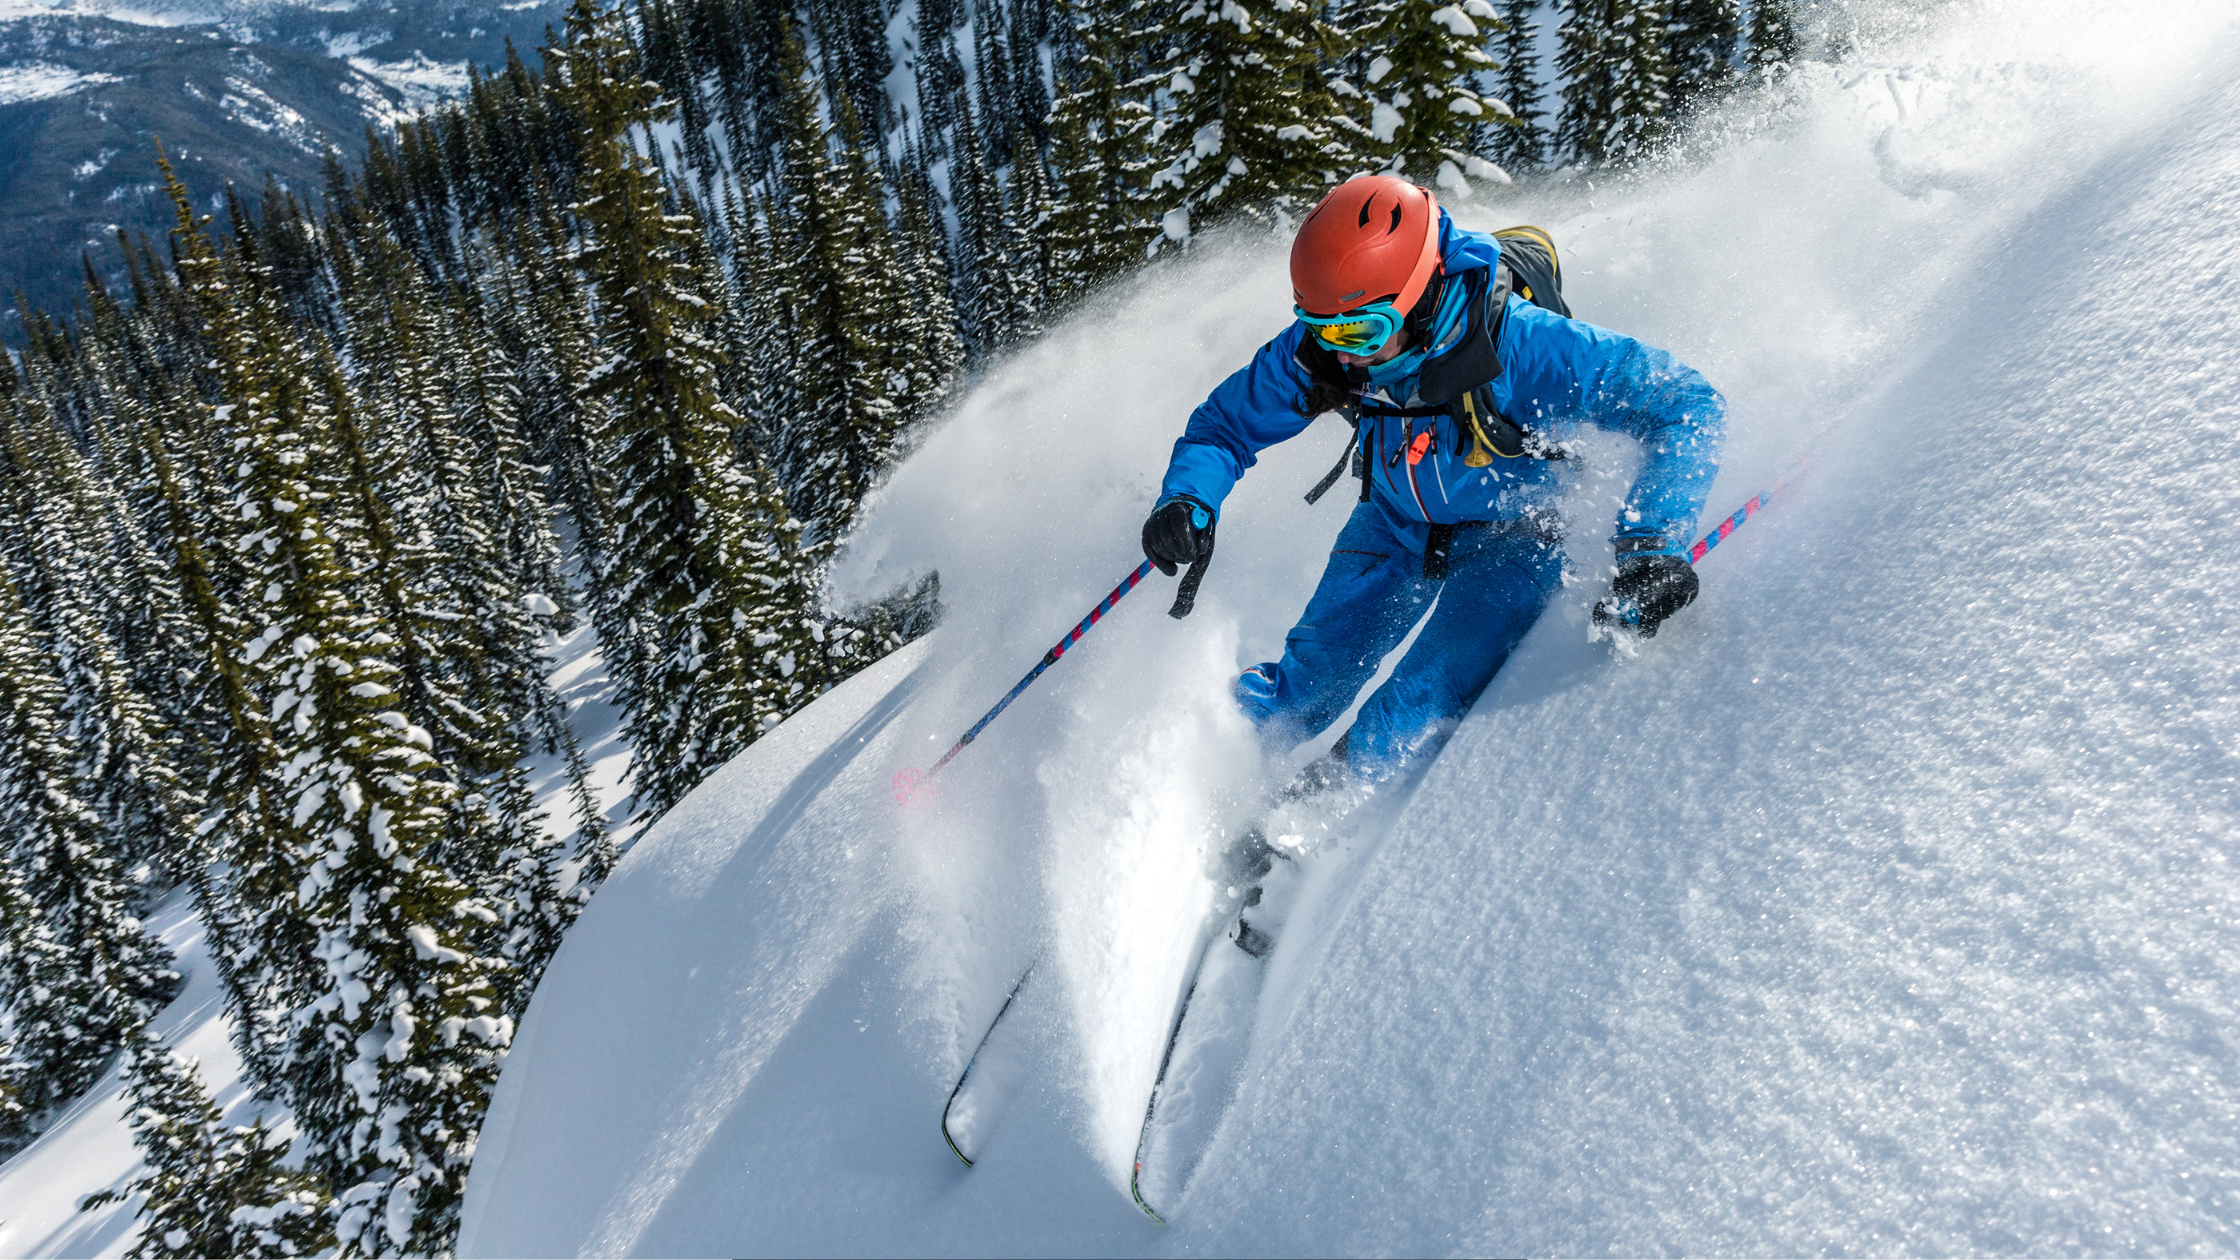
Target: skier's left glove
{"x": 1647, "y": 590}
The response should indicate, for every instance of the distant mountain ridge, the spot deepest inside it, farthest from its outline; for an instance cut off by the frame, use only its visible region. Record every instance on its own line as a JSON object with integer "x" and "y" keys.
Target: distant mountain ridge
{"x": 233, "y": 90}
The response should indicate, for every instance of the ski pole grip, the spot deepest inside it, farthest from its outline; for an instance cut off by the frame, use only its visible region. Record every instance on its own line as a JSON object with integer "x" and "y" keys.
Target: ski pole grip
{"x": 1186, "y": 595}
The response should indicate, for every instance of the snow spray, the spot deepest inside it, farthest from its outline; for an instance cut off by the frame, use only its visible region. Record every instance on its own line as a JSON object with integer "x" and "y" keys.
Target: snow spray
{"x": 909, "y": 780}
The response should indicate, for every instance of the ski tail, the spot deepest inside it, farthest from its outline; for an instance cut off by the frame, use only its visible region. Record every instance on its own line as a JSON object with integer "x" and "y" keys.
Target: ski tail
{"x": 948, "y": 1110}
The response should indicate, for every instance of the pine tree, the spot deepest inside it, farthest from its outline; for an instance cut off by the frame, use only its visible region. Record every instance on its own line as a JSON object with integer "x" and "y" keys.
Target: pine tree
{"x": 59, "y": 1030}
{"x": 940, "y": 73}
{"x": 1099, "y": 226}
{"x": 78, "y": 953}
{"x": 1611, "y": 57}
{"x": 1031, "y": 202}
{"x": 712, "y": 588}
{"x": 390, "y": 1040}
{"x": 1030, "y": 93}
{"x": 1245, "y": 120}
{"x": 1773, "y": 36}
{"x": 1001, "y": 306}
{"x": 995, "y": 103}
{"x": 211, "y": 1190}
{"x": 854, "y": 37}
{"x": 1700, "y": 43}
{"x": 1422, "y": 57}
{"x": 857, "y": 370}
{"x": 242, "y": 764}
{"x": 120, "y": 763}
{"x": 147, "y": 620}
{"x": 548, "y": 320}
{"x": 16, "y": 1120}
{"x": 520, "y": 517}
{"x": 930, "y": 327}
{"x": 1524, "y": 145}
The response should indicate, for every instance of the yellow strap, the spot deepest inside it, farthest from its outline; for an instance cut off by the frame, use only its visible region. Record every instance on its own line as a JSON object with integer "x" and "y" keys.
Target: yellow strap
{"x": 1481, "y": 451}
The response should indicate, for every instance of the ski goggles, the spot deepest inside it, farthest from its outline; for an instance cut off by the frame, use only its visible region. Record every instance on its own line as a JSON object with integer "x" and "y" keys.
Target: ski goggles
{"x": 1362, "y": 330}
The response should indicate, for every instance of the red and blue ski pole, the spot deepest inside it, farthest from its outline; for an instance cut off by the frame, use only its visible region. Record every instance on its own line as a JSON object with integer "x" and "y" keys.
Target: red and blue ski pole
{"x": 1758, "y": 503}
{"x": 908, "y": 781}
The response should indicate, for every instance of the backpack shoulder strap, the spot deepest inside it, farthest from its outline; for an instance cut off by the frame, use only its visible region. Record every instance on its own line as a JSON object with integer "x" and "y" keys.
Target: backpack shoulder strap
{"x": 1475, "y": 356}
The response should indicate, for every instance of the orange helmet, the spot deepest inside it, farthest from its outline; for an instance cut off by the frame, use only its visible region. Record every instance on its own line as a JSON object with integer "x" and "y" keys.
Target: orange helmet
{"x": 1370, "y": 238}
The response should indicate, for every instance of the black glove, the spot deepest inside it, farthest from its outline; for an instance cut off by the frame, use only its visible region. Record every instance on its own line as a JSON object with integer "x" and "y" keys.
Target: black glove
{"x": 1647, "y": 590}
{"x": 1178, "y": 532}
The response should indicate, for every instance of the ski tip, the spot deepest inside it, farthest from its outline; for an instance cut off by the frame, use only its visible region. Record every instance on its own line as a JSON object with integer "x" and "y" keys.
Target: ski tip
{"x": 954, "y": 1149}
{"x": 1135, "y": 1187}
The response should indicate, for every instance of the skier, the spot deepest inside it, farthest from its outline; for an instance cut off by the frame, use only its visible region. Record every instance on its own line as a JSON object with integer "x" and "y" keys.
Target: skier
{"x": 1424, "y": 335}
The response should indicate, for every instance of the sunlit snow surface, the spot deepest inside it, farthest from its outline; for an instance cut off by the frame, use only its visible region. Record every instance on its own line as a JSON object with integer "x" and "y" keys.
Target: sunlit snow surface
{"x": 1880, "y": 905}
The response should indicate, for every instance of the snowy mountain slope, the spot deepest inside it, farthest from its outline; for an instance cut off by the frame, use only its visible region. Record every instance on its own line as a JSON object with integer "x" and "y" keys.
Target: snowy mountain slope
{"x": 1883, "y": 904}
{"x": 232, "y": 88}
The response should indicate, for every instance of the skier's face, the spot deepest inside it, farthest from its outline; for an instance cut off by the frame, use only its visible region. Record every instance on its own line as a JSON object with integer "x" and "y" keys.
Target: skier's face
{"x": 1393, "y": 345}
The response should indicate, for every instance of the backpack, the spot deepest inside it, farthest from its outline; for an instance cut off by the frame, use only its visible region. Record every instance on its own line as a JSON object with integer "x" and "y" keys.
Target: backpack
{"x": 1461, "y": 377}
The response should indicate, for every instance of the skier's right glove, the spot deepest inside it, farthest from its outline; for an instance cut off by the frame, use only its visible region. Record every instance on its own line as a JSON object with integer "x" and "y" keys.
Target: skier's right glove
{"x": 1179, "y": 532}
{"x": 1648, "y": 589}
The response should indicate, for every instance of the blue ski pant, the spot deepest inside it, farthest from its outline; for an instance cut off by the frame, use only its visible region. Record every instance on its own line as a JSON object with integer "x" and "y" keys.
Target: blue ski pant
{"x": 1372, "y": 593}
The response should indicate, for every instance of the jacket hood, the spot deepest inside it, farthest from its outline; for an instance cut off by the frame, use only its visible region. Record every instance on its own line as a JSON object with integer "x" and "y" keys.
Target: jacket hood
{"x": 1461, "y": 249}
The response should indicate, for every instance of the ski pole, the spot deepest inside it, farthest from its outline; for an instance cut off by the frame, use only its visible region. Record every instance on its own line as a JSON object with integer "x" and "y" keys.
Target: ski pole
{"x": 1758, "y": 503}
{"x": 907, "y": 781}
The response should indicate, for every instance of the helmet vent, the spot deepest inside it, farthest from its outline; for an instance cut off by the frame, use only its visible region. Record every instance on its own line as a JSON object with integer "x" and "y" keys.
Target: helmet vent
{"x": 1365, "y": 211}
{"x": 1395, "y": 222}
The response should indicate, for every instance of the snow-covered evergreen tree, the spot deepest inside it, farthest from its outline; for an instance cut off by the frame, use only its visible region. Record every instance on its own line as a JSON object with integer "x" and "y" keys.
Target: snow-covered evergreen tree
{"x": 1701, "y": 37}
{"x": 1030, "y": 92}
{"x": 930, "y": 327}
{"x": 993, "y": 103}
{"x": 56, "y": 1031}
{"x": 390, "y": 1038}
{"x": 712, "y": 586}
{"x": 119, "y": 760}
{"x": 241, "y": 818}
{"x": 1100, "y": 224}
{"x": 511, "y": 489}
{"x": 16, "y": 1119}
{"x": 940, "y": 72}
{"x": 1615, "y": 78}
{"x": 1245, "y": 120}
{"x": 1002, "y": 304}
{"x": 1420, "y": 59}
{"x": 1523, "y": 145}
{"x": 211, "y": 1190}
{"x": 1773, "y": 36}
{"x": 84, "y": 974}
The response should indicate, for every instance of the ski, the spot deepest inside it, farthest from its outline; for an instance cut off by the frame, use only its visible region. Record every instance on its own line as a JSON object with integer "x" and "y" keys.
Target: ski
{"x": 1197, "y": 1069}
{"x": 970, "y": 1125}
{"x": 1166, "y": 1060}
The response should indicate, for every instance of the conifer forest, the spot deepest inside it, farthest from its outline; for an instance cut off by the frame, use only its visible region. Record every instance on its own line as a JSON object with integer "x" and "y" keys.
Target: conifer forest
{"x": 293, "y": 501}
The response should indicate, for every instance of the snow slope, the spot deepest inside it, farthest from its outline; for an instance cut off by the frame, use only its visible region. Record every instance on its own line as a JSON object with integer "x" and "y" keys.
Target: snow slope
{"x": 1883, "y": 904}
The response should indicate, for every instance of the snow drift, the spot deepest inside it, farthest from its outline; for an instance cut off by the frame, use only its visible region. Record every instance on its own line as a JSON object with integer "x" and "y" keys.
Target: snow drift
{"x": 1884, "y": 903}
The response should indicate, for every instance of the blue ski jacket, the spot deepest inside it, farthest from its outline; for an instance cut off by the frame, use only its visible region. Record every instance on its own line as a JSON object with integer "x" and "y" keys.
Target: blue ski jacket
{"x": 1555, "y": 374}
